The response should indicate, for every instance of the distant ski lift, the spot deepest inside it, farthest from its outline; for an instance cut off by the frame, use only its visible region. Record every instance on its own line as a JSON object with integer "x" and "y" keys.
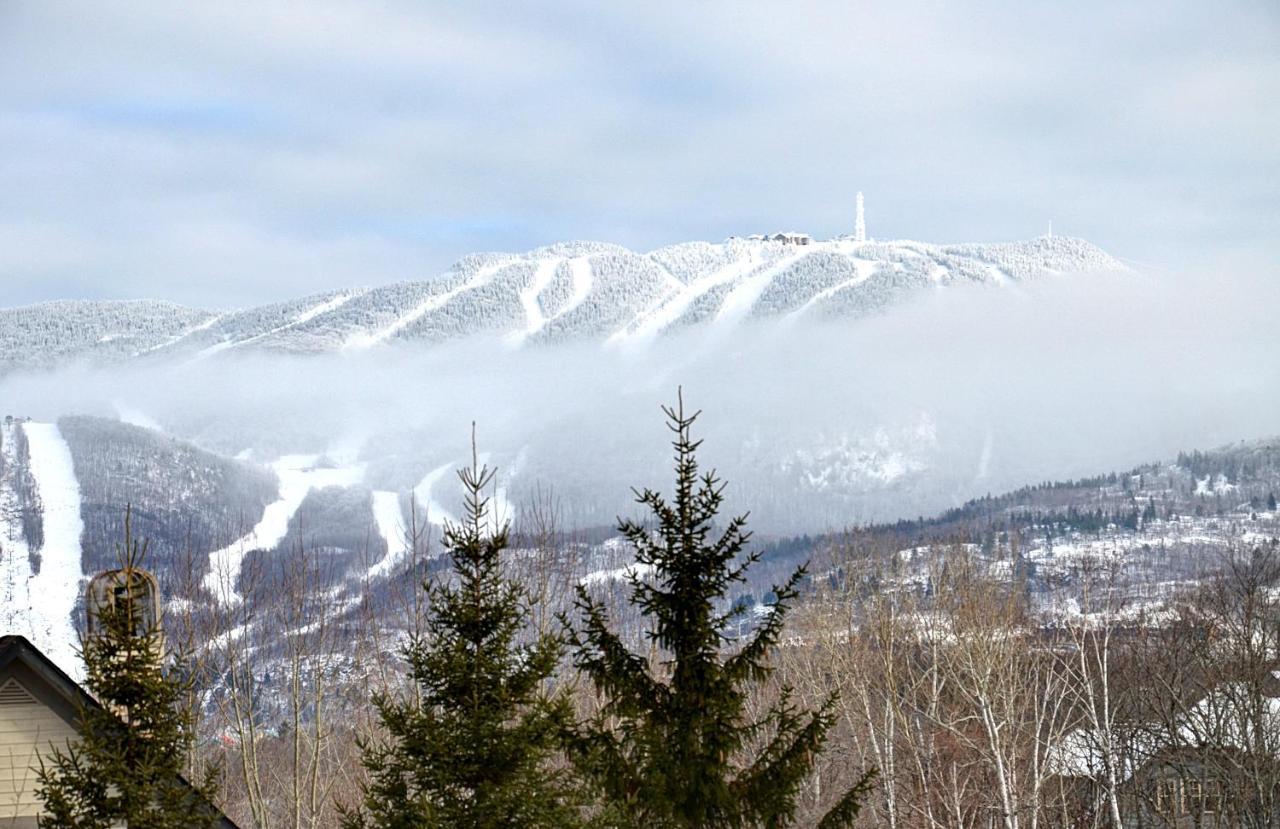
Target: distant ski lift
{"x": 135, "y": 589}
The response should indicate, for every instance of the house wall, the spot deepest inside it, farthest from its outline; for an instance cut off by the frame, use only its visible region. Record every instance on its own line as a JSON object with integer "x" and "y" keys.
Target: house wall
{"x": 27, "y": 732}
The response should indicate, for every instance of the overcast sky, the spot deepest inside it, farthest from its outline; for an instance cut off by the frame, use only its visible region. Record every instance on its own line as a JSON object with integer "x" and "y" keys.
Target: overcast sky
{"x": 223, "y": 154}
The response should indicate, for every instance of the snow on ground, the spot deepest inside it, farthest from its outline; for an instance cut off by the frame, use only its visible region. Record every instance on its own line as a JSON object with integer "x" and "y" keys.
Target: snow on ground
{"x": 390, "y": 523}
{"x": 739, "y": 301}
{"x": 581, "y": 280}
{"x": 298, "y": 475}
{"x": 650, "y": 322}
{"x": 198, "y": 327}
{"x": 306, "y": 316}
{"x": 1211, "y": 485}
{"x": 534, "y": 319}
{"x": 56, "y": 588}
{"x": 863, "y": 268}
{"x": 365, "y": 339}
{"x": 435, "y": 511}
{"x": 599, "y": 577}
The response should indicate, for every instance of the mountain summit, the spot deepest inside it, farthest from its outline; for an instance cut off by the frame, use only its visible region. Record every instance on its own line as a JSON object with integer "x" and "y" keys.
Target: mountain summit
{"x": 567, "y": 291}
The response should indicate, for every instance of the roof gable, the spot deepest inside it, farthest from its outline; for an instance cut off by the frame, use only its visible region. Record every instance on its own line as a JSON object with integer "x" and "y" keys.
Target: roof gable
{"x": 22, "y": 664}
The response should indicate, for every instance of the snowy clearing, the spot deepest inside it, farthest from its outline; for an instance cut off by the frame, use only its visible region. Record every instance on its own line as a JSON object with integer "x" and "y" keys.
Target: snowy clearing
{"x": 600, "y": 577}
{"x": 534, "y": 319}
{"x": 744, "y": 295}
{"x": 390, "y": 523}
{"x": 56, "y": 587}
{"x": 298, "y": 475}
{"x": 435, "y": 513}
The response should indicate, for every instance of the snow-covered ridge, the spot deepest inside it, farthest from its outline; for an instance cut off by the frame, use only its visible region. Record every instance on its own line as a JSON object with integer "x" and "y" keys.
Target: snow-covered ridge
{"x": 571, "y": 291}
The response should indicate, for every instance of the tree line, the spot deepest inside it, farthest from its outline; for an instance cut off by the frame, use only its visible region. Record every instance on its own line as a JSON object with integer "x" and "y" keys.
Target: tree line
{"x": 486, "y": 734}
{"x": 849, "y": 697}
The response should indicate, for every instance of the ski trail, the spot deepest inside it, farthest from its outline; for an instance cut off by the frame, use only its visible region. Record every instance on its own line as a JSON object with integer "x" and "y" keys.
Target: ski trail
{"x": 435, "y": 512}
{"x": 56, "y": 587}
{"x": 580, "y": 273}
{"x": 306, "y": 316}
{"x": 298, "y": 475}
{"x": 195, "y": 329}
{"x": 864, "y": 267}
{"x": 534, "y": 319}
{"x": 743, "y": 296}
{"x": 667, "y": 310}
{"x": 390, "y": 523}
{"x": 366, "y": 339}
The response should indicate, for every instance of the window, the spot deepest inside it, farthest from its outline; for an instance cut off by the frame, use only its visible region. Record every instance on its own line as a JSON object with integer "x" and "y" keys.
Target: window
{"x": 1168, "y": 797}
{"x": 1193, "y": 796}
{"x": 1202, "y": 797}
{"x": 1196, "y": 797}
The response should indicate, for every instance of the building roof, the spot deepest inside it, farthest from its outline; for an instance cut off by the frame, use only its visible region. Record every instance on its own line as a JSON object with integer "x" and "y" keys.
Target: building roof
{"x": 1224, "y": 719}
{"x": 17, "y": 650}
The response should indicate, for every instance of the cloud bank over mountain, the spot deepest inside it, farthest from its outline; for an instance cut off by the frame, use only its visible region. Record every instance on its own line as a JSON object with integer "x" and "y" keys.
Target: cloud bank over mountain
{"x": 832, "y": 421}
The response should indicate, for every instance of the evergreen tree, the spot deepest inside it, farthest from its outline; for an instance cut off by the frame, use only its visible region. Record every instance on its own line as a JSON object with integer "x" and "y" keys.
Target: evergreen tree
{"x": 474, "y": 745}
{"x": 674, "y": 745}
{"x": 126, "y": 768}
{"x": 1271, "y": 502}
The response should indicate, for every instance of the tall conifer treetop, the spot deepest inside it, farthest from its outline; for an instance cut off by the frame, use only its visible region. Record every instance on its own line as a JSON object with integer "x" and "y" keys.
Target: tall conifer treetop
{"x": 471, "y": 747}
{"x": 674, "y": 745}
{"x": 127, "y": 767}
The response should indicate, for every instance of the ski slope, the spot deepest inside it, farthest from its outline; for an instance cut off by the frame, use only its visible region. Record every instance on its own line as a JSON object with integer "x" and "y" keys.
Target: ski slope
{"x": 390, "y": 523}
{"x": 54, "y": 591}
{"x": 298, "y": 475}
{"x": 435, "y": 511}
{"x": 172, "y": 341}
{"x": 581, "y": 280}
{"x": 371, "y": 338}
{"x": 744, "y": 295}
{"x": 331, "y": 304}
{"x": 863, "y": 269}
{"x": 652, "y": 321}
{"x": 534, "y": 318}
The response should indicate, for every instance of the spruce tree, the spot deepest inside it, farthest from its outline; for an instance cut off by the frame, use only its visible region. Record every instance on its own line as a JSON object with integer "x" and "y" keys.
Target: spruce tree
{"x": 674, "y": 745}
{"x": 473, "y": 747}
{"x": 126, "y": 768}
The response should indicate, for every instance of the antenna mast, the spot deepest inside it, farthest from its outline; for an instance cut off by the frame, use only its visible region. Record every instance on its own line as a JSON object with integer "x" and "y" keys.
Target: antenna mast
{"x": 860, "y": 225}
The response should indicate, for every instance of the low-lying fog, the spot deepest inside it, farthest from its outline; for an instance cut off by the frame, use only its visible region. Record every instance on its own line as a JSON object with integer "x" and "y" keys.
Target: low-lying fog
{"x": 814, "y": 424}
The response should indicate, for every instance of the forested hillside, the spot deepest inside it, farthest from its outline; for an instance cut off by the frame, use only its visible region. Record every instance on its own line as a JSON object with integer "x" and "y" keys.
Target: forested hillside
{"x": 184, "y": 500}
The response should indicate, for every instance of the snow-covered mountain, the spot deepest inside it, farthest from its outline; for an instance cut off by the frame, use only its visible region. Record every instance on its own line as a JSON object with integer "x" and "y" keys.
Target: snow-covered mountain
{"x": 571, "y": 291}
